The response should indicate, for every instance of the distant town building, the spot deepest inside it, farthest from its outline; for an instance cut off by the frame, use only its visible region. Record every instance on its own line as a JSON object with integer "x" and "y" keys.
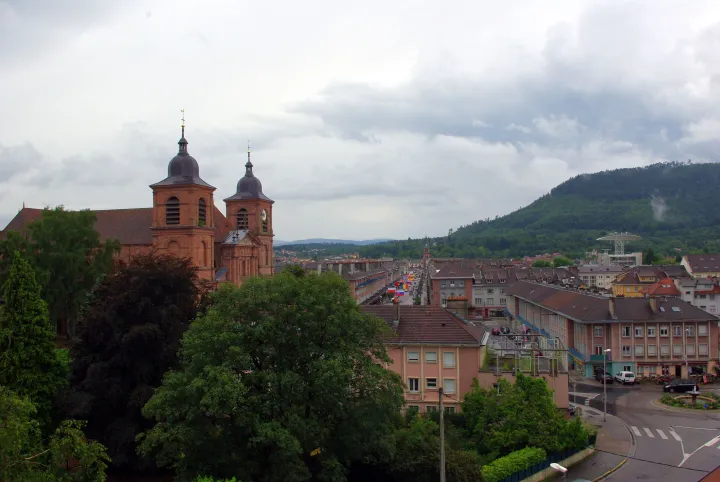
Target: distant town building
{"x": 702, "y": 265}
{"x": 599, "y": 276}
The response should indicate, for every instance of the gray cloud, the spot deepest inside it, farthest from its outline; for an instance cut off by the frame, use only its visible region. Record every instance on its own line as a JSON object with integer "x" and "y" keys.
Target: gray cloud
{"x": 17, "y": 160}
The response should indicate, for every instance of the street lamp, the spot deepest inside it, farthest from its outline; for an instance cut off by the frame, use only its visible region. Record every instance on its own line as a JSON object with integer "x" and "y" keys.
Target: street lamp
{"x": 605, "y": 352}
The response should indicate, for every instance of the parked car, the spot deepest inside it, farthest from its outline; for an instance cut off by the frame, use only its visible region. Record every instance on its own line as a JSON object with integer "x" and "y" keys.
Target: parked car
{"x": 603, "y": 379}
{"x": 681, "y": 386}
{"x": 625, "y": 378}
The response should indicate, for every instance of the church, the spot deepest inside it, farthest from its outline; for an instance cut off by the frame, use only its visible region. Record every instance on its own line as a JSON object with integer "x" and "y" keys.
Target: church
{"x": 184, "y": 221}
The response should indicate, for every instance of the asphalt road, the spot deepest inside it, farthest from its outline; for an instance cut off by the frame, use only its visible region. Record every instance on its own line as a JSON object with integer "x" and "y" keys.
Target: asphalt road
{"x": 669, "y": 446}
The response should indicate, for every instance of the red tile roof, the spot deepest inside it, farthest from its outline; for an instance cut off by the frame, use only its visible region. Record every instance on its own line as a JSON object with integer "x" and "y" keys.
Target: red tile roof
{"x": 427, "y": 325}
{"x": 664, "y": 287}
{"x": 128, "y": 226}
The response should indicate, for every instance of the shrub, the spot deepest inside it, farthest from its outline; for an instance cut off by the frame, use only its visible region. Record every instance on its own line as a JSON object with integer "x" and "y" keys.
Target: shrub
{"x": 514, "y": 462}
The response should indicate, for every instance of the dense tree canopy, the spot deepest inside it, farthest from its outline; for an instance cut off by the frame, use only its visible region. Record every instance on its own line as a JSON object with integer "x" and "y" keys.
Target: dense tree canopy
{"x": 68, "y": 258}
{"x": 29, "y": 364}
{"x": 280, "y": 380}
{"x": 671, "y": 205}
{"x": 128, "y": 338}
{"x": 24, "y": 457}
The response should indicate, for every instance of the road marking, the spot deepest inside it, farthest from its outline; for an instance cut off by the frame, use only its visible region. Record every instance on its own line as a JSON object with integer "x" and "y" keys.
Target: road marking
{"x": 647, "y": 431}
{"x": 662, "y": 434}
{"x": 712, "y": 442}
{"x": 687, "y": 456}
{"x": 675, "y": 435}
{"x": 635, "y": 430}
{"x": 697, "y": 428}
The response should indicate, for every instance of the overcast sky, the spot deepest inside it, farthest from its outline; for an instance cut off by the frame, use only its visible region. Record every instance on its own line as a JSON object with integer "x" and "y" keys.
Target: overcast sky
{"x": 368, "y": 119}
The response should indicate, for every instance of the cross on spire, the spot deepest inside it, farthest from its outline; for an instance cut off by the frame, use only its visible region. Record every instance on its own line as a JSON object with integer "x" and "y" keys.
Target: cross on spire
{"x": 183, "y": 122}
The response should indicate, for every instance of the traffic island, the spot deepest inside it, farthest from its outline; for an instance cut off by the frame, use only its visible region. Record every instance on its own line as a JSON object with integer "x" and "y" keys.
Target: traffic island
{"x": 692, "y": 401}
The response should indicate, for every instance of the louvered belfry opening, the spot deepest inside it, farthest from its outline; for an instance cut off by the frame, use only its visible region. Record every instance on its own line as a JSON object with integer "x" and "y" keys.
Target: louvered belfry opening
{"x": 172, "y": 211}
{"x": 242, "y": 219}
{"x": 202, "y": 216}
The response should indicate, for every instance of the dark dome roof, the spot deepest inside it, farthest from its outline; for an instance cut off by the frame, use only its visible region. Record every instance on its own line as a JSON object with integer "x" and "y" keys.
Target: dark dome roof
{"x": 249, "y": 186}
{"x": 183, "y": 165}
{"x": 183, "y": 168}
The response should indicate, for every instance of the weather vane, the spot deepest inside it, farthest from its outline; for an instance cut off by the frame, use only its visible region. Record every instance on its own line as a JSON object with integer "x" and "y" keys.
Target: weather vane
{"x": 183, "y": 117}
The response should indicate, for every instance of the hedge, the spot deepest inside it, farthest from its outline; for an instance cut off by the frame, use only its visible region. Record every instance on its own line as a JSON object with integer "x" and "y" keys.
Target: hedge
{"x": 504, "y": 467}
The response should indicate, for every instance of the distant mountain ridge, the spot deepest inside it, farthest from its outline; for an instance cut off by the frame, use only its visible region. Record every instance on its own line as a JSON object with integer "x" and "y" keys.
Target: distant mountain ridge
{"x": 672, "y": 205}
{"x": 331, "y": 241}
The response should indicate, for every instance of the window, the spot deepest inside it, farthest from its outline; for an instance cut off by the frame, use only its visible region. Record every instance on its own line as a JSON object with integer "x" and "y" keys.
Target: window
{"x": 627, "y": 368}
{"x": 664, "y": 350}
{"x": 413, "y": 356}
{"x": 702, "y": 329}
{"x": 677, "y": 350}
{"x": 449, "y": 359}
{"x": 677, "y": 330}
{"x": 599, "y": 349}
{"x": 625, "y": 331}
{"x": 598, "y": 330}
{"x": 449, "y": 409}
{"x": 242, "y": 219}
{"x": 172, "y": 211}
{"x": 431, "y": 383}
{"x": 690, "y": 330}
{"x": 430, "y": 357}
{"x": 265, "y": 224}
{"x": 202, "y": 216}
{"x": 443, "y": 284}
{"x": 663, "y": 330}
{"x": 651, "y": 331}
{"x": 490, "y": 301}
{"x": 478, "y": 301}
{"x": 413, "y": 384}
{"x": 638, "y": 331}
{"x": 490, "y": 290}
{"x": 503, "y": 301}
{"x": 431, "y": 408}
{"x": 639, "y": 350}
{"x": 703, "y": 349}
{"x": 652, "y": 350}
{"x": 412, "y": 409}
{"x": 690, "y": 349}
{"x": 626, "y": 350}
{"x": 449, "y": 385}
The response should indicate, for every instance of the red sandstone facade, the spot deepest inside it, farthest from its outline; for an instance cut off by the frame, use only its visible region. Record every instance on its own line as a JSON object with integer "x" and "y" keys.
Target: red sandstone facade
{"x": 184, "y": 221}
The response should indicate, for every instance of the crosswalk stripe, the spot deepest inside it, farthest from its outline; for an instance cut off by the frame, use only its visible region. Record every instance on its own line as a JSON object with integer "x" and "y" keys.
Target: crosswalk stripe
{"x": 635, "y": 430}
{"x": 648, "y": 432}
{"x": 676, "y": 436}
{"x": 662, "y": 434}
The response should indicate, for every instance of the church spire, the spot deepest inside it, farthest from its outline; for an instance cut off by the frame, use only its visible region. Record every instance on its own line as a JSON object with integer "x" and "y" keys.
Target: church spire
{"x": 183, "y": 142}
{"x": 248, "y": 164}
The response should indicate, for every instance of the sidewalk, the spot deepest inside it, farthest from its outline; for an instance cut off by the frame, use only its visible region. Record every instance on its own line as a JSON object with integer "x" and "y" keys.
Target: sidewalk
{"x": 613, "y": 436}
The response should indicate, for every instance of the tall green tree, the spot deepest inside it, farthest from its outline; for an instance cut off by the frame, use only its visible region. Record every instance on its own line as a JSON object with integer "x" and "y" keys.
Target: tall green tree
{"x": 68, "y": 257}
{"x": 23, "y": 457}
{"x": 281, "y": 380}
{"x": 127, "y": 339}
{"x": 561, "y": 261}
{"x": 542, "y": 263}
{"x": 29, "y": 364}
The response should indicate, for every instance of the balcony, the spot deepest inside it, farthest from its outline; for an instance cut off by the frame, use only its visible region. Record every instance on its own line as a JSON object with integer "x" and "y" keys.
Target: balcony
{"x": 599, "y": 358}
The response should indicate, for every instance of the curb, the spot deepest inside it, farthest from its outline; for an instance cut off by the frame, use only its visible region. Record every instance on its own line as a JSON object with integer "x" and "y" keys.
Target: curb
{"x": 667, "y": 408}
{"x": 611, "y": 471}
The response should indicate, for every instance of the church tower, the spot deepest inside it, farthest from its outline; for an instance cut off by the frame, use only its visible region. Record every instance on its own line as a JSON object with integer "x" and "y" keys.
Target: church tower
{"x": 249, "y": 212}
{"x": 183, "y": 222}
{"x": 426, "y": 253}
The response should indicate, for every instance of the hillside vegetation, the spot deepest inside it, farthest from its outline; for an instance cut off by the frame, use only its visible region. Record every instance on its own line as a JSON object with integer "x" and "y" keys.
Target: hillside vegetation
{"x": 671, "y": 205}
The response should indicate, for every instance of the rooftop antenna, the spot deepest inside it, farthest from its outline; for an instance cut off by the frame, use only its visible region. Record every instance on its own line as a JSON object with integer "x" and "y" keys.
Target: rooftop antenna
{"x": 248, "y": 150}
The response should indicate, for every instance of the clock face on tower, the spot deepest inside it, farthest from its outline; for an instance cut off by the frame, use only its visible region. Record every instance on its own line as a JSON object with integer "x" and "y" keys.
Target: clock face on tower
{"x": 263, "y": 215}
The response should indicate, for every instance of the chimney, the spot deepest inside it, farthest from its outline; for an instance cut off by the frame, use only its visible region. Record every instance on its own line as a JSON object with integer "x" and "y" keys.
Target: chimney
{"x": 612, "y": 307}
{"x": 653, "y": 304}
{"x": 396, "y": 314}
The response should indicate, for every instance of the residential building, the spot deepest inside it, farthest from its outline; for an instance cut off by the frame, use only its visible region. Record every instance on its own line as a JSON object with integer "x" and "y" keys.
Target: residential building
{"x": 650, "y": 336}
{"x": 453, "y": 280}
{"x": 599, "y": 276}
{"x": 701, "y": 292}
{"x": 702, "y": 265}
{"x": 431, "y": 348}
{"x": 634, "y": 282}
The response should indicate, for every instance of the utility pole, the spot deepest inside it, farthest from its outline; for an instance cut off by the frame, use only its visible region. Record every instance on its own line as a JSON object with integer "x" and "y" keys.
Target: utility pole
{"x": 442, "y": 435}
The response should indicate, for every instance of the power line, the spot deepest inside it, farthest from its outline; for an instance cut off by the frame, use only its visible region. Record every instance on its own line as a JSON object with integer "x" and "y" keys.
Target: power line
{"x": 653, "y": 462}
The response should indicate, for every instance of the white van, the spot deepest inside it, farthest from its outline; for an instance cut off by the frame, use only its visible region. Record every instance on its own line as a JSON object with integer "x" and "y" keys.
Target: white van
{"x": 625, "y": 377}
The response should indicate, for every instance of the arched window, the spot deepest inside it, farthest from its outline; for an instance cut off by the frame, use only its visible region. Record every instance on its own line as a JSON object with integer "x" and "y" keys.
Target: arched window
{"x": 242, "y": 219}
{"x": 204, "y": 248}
{"x": 172, "y": 211}
{"x": 202, "y": 216}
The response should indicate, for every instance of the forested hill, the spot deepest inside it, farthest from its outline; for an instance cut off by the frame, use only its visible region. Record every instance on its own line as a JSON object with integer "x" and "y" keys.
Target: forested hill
{"x": 671, "y": 205}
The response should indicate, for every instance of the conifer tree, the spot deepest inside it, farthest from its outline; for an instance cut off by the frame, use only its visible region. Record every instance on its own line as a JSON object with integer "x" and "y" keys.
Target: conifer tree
{"x": 28, "y": 361}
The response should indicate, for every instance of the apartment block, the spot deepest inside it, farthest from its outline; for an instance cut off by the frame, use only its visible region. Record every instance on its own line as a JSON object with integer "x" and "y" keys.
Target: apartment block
{"x": 702, "y": 265}
{"x": 654, "y": 335}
